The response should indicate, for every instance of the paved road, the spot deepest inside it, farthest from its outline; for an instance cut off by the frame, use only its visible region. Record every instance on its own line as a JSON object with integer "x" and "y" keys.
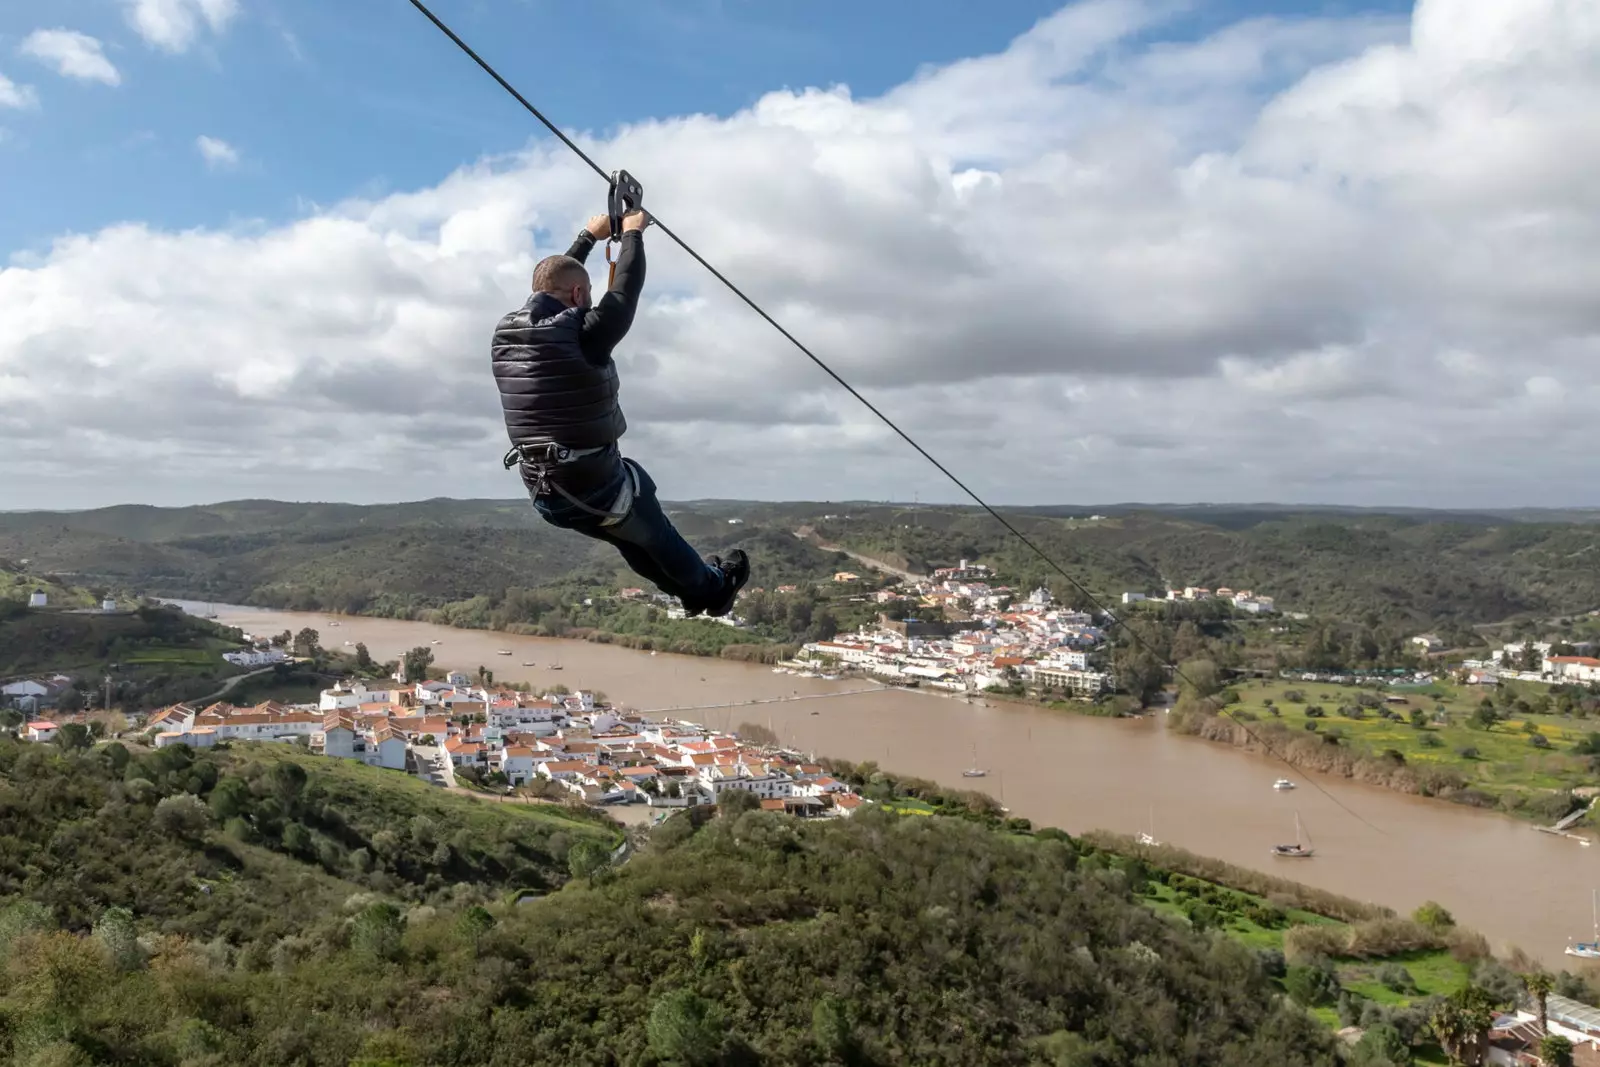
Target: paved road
{"x": 227, "y": 687}
{"x": 806, "y": 533}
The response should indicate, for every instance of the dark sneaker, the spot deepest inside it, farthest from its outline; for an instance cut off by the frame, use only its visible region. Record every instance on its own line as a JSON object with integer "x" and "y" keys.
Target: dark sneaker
{"x": 735, "y": 572}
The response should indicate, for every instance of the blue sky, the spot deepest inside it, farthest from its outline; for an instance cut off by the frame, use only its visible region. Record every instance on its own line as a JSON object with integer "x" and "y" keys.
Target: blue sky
{"x": 325, "y": 100}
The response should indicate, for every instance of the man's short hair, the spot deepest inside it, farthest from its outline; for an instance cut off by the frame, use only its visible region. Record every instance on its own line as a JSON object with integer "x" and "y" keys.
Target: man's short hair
{"x": 557, "y": 274}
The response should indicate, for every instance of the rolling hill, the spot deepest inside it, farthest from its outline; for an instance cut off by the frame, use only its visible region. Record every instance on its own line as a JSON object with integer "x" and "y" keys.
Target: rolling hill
{"x": 1408, "y": 567}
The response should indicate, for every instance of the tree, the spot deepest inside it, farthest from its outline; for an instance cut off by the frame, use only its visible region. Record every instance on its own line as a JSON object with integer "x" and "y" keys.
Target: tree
{"x": 1555, "y": 1051}
{"x": 118, "y": 939}
{"x": 70, "y": 701}
{"x": 1309, "y": 985}
{"x": 1484, "y": 717}
{"x": 1461, "y": 1023}
{"x": 182, "y": 815}
{"x": 1433, "y": 915}
{"x": 474, "y": 924}
{"x": 1202, "y": 676}
{"x": 73, "y": 736}
{"x": 306, "y": 642}
{"x": 1381, "y": 1044}
{"x": 732, "y": 802}
{"x": 377, "y": 931}
{"x": 417, "y": 662}
{"x": 288, "y": 779}
{"x": 363, "y": 657}
{"x": 230, "y": 799}
{"x": 116, "y": 756}
{"x": 686, "y": 1028}
{"x": 1139, "y": 673}
{"x": 1539, "y": 985}
{"x": 832, "y": 1028}
{"x": 587, "y": 857}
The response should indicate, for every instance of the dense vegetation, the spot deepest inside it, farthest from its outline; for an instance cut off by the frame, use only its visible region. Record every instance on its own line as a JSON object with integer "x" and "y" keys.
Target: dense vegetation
{"x": 480, "y": 564}
{"x": 154, "y": 655}
{"x": 165, "y": 909}
{"x": 1402, "y": 569}
{"x": 495, "y": 563}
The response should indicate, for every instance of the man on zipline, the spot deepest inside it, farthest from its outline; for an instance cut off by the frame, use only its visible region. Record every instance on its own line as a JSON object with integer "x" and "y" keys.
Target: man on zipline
{"x": 558, "y": 391}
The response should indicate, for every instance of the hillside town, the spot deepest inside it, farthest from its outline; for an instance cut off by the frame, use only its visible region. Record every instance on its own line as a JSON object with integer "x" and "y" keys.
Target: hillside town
{"x": 996, "y": 642}
{"x": 451, "y": 733}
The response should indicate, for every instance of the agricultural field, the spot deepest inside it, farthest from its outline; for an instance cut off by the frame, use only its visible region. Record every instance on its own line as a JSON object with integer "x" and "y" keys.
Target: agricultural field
{"x": 1519, "y": 754}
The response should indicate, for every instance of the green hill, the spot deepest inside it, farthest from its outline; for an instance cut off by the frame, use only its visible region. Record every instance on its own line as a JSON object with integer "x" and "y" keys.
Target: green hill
{"x": 483, "y": 558}
{"x": 336, "y": 915}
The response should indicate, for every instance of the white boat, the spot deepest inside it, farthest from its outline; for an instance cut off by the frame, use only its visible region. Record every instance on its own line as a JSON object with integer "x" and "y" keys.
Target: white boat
{"x": 1589, "y": 950}
{"x": 527, "y": 663}
{"x": 1147, "y": 837}
{"x": 502, "y": 652}
{"x": 974, "y": 771}
{"x": 1283, "y": 783}
{"x": 1296, "y": 850}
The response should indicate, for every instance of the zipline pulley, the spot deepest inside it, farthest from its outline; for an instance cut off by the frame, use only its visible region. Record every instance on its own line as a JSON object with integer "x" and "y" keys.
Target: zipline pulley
{"x": 626, "y": 196}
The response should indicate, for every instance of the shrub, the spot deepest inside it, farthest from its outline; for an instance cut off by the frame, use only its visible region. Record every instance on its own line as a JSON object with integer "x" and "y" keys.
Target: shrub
{"x": 1397, "y": 978}
{"x": 1311, "y": 985}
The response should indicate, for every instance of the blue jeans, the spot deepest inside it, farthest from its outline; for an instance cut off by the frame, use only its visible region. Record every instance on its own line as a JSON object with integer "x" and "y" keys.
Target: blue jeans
{"x": 648, "y": 541}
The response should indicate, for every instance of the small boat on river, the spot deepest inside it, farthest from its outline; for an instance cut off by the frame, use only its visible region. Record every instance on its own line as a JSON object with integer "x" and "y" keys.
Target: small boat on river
{"x": 1589, "y": 950}
{"x": 1296, "y": 850}
{"x": 974, "y": 771}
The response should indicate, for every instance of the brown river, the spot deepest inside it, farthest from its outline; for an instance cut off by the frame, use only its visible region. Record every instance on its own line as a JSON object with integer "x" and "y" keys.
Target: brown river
{"x": 1498, "y": 876}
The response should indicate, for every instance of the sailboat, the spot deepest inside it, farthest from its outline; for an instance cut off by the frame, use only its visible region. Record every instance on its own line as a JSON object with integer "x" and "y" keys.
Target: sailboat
{"x": 1589, "y": 950}
{"x": 974, "y": 771}
{"x": 1145, "y": 836}
{"x": 1296, "y": 850}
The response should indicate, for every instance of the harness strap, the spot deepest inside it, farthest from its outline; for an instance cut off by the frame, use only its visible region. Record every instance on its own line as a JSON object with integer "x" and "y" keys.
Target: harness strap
{"x": 540, "y": 467}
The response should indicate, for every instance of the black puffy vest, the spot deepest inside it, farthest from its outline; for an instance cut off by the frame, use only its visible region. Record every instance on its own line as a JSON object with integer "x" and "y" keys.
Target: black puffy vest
{"x": 548, "y": 391}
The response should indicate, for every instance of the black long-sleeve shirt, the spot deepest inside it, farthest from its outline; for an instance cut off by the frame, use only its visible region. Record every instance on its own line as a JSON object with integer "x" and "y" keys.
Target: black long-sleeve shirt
{"x": 608, "y": 320}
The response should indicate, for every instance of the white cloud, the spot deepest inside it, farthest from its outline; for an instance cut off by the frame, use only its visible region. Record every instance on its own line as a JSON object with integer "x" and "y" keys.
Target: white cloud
{"x": 17, "y": 96}
{"x": 72, "y": 54}
{"x": 217, "y": 153}
{"x": 174, "y": 25}
{"x": 1370, "y": 280}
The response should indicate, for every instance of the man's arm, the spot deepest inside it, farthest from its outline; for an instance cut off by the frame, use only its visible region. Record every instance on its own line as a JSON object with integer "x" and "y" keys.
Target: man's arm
{"x": 581, "y": 246}
{"x": 608, "y": 321}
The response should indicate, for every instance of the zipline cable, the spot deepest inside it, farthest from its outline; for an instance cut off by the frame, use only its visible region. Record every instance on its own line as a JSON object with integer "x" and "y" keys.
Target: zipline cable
{"x": 830, "y": 372}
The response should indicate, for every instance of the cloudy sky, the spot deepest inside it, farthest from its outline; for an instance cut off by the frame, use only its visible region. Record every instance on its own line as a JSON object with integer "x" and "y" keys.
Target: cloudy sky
{"x": 1117, "y": 250}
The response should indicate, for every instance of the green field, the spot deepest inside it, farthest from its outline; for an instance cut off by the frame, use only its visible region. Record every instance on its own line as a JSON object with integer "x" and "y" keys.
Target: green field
{"x": 1432, "y": 973}
{"x": 1500, "y": 760}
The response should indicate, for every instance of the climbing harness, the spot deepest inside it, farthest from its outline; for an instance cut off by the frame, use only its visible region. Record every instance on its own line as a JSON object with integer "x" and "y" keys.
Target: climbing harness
{"x": 538, "y": 459}
{"x": 622, "y": 185}
{"x": 625, "y": 197}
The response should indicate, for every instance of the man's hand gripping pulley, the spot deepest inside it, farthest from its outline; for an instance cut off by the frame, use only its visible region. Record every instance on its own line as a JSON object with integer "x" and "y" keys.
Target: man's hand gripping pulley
{"x": 626, "y": 197}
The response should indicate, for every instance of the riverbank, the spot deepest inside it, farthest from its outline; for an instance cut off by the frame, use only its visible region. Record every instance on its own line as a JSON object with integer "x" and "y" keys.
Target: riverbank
{"x": 1348, "y": 962}
{"x": 1077, "y": 772}
{"x": 1421, "y": 742}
